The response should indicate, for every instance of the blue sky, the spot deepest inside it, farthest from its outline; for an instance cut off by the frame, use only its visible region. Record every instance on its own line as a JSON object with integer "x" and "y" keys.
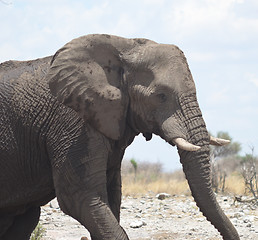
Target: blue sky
{"x": 218, "y": 37}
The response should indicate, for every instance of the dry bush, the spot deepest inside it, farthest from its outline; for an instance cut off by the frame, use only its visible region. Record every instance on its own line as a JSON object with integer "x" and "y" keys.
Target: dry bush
{"x": 222, "y": 169}
{"x": 249, "y": 169}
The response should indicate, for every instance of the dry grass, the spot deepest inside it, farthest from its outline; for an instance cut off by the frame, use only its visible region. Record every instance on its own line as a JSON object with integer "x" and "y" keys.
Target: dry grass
{"x": 140, "y": 187}
{"x": 173, "y": 184}
{"x": 235, "y": 184}
{"x": 150, "y": 178}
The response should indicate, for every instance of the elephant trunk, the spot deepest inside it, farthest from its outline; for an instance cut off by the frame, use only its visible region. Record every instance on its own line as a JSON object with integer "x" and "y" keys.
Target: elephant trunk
{"x": 196, "y": 166}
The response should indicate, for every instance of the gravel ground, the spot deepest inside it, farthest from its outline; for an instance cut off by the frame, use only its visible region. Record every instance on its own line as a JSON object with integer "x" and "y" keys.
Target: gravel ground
{"x": 148, "y": 217}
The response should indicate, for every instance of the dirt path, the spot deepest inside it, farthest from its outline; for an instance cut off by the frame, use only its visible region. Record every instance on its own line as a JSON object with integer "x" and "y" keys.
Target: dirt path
{"x": 147, "y": 217}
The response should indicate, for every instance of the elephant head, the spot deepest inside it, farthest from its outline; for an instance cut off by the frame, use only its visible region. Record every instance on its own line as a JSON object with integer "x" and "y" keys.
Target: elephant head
{"x": 116, "y": 83}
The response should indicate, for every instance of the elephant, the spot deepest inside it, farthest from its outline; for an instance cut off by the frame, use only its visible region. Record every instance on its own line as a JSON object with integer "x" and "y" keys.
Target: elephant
{"x": 67, "y": 119}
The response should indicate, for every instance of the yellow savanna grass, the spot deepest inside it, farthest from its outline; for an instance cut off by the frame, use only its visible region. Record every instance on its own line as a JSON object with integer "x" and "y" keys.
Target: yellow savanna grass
{"x": 235, "y": 185}
{"x": 139, "y": 186}
{"x": 150, "y": 178}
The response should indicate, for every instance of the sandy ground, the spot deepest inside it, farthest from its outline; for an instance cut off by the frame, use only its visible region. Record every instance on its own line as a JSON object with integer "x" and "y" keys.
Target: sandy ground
{"x": 147, "y": 217}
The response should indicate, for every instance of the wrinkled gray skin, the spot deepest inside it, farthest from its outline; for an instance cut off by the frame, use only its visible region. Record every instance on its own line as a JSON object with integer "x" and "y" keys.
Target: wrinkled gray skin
{"x": 65, "y": 126}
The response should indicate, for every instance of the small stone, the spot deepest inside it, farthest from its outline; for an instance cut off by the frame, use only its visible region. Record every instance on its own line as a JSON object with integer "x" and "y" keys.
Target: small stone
{"x": 162, "y": 196}
{"x": 248, "y": 219}
{"x": 54, "y": 204}
{"x": 238, "y": 215}
{"x": 48, "y": 219}
{"x": 137, "y": 224}
{"x": 124, "y": 207}
{"x": 58, "y": 224}
{"x": 246, "y": 211}
{"x": 84, "y": 238}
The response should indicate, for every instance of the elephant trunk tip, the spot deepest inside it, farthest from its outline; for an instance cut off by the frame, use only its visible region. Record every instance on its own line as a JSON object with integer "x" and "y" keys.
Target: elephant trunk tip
{"x": 221, "y": 222}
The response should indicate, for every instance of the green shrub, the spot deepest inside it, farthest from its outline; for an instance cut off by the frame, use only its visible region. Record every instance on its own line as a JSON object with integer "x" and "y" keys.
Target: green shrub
{"x": 38, "y": 232}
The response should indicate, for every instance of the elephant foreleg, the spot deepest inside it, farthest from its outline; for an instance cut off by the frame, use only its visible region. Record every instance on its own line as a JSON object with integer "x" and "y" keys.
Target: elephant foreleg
{"x": 114, "y": 191}
{"x": 89, "y": 205}
{"x": 81, "y": 190}
{"x": 22, "y": 225}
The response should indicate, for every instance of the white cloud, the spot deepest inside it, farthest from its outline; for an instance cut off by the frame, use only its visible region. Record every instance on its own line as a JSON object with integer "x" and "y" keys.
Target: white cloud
{"x": 203, "y": 56}
{"x": 193, "y": 16}
{"x": 210, "y": 23}
{"x": 197, "y": 23}
{"x": 9, "y": 52}
{"x": 220, "y": 97}
{"x": 154, "y": 2}
{"x": 253, "y": 79}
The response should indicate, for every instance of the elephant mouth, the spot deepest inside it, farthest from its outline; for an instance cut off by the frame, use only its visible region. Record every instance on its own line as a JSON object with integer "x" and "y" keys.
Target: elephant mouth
{"x": 187, "y": 146}
{"x": 148, "y": 136}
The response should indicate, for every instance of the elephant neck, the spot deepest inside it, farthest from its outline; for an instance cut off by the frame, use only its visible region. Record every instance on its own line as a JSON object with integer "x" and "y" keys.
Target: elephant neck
{"x": 135, "y": 123}
{"x": 126, "y": 140}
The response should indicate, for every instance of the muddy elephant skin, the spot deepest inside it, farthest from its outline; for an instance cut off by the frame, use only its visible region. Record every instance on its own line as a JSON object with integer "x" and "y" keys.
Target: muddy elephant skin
{"x": 66, "y": 120}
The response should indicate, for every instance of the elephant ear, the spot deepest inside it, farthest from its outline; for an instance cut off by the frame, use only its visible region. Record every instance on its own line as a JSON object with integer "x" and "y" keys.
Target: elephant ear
{"x": 88, "y": 77}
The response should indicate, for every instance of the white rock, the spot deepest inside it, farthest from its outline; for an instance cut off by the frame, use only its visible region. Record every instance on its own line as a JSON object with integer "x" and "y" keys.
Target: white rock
{"x": 225, "y": 199}
{"x": 248, "y": 219}
{"x": 249, "y": 225}
{"x": 239, "y": 215}
{"x": 125, "y": 206}
{"x": 54, "y": 204}
{"x": 137, "y": 224}
{"x": 162, "y": 196}
{"x": 246, "y": 211}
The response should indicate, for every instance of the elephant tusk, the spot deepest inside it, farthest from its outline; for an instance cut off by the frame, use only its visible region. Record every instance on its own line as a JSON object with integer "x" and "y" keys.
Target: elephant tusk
{"x": 184, "y": 145}
{"x": 218, "y": 141}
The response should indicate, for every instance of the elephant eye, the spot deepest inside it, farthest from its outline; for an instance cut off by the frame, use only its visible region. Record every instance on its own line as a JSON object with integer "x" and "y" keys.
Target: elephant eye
{"x": 162, "y": 97}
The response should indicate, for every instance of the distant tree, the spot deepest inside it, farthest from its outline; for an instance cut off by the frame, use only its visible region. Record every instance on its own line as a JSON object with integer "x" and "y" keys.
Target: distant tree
{"x": 143, "y": 171}
{"x": 231, "y": 149}
{"x": 224, "y": 160}
{"x": 134, "y": 164}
